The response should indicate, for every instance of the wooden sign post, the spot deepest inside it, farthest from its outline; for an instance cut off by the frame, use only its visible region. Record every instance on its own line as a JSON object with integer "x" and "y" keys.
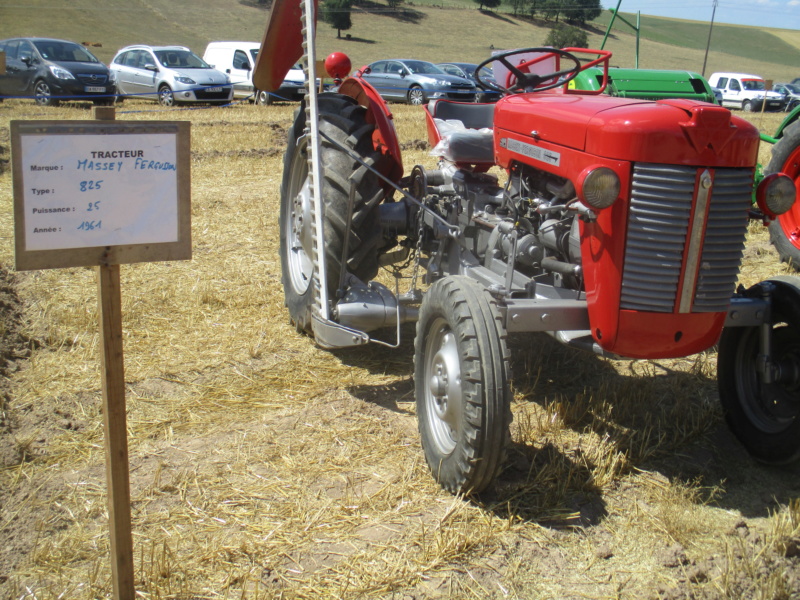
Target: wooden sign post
{"x": 104, "y": 193}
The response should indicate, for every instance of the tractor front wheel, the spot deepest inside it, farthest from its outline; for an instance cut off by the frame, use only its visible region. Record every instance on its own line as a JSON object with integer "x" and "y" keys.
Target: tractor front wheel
{"x": 765, "y": 416}
{"x": 784, "y": 232}
{"x": 345, "y": 130}
{"x": 462, "y": 383}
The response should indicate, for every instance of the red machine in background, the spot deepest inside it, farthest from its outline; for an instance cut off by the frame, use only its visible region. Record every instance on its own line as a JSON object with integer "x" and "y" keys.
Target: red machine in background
{"x": 618, "y": 228}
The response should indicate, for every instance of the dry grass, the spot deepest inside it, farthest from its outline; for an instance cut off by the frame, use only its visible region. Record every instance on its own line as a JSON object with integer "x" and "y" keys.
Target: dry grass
{"x": 263, "y": 467}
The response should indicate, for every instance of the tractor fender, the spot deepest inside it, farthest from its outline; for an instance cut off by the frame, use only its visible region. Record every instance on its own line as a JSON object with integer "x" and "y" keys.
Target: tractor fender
{"x": 790, "y": 118}
{"x": 282, "y": 44}
{"x": 385, "y": 135}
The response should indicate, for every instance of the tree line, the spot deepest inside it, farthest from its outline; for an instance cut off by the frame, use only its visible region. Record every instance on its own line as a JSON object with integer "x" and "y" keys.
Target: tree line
{"x": 566, "y": 15}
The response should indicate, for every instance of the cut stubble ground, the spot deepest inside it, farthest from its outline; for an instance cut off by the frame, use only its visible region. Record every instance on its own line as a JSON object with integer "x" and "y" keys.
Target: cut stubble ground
{"x": 264, "y": 467}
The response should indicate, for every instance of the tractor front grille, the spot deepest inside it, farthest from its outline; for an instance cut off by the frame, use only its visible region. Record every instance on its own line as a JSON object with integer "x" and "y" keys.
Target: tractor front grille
{"x": 659, "y": 256}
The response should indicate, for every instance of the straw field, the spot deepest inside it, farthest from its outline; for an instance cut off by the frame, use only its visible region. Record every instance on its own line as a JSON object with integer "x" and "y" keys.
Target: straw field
{"x": 263, "y": 467}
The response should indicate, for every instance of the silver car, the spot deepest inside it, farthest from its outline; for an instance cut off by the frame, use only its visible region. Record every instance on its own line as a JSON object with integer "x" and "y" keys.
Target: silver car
{"x": 169, "y": 74}
{"x": 416, "y": 82}
{"x": 791, "y": 94}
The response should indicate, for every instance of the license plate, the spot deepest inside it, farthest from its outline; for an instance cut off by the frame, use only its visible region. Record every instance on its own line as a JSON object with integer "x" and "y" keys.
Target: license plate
{"x": 214, "y": 89}
{"x": 95, "y": 89}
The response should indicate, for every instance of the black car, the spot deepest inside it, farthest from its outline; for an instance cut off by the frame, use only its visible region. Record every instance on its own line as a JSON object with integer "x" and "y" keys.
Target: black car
{"x": 467, "y": 71}
{"x": 49, "y": 71}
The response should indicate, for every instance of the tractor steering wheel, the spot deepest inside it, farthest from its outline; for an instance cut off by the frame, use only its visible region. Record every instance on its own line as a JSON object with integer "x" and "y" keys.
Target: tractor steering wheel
{"x": 526, "y": 80}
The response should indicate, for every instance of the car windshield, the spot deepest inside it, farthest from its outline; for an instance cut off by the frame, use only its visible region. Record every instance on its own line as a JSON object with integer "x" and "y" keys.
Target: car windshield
{"x": 64, "y": 51}
{"x": 795, "y": 89}
{"x": 753, "y": 84}
{"x": 420, "y": 67}
{"x": 486, "y": 72}
{"x": 180, "y": 59}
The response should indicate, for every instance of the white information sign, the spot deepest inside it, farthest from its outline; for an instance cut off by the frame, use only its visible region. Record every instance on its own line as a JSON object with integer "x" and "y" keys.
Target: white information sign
{"x": 100, "y": 192}
{"x": 97, "y": 190}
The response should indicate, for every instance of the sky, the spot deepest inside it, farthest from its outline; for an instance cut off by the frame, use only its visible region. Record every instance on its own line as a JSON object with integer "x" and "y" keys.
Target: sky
{"x": 782, "y": 14}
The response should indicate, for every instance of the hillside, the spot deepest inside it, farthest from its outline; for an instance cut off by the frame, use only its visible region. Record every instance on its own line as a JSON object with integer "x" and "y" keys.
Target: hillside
{"x": 420, "y": 30}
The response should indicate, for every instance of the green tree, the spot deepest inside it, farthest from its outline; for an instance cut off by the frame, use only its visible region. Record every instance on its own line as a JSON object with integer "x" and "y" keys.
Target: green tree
{"x": 550, "y": 9}
{"x": 565, "y": 36}
{"x": 394, "y": 3}
{"x": 580, "y": 11}
{"x": 336, "y": 13}
{"x": 488, "y": 3}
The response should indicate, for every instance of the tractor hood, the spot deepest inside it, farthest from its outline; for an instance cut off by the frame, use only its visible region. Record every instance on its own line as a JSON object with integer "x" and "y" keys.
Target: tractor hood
{"x": 675, "y": 131}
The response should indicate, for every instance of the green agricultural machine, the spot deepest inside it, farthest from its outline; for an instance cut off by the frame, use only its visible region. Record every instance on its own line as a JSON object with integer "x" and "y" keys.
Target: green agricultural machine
{"x": 647, "y": 84}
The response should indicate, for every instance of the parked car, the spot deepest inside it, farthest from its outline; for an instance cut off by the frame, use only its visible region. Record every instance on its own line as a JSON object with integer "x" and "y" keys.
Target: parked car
{"x": 717, "y": 95}
{"x": 467, "y": 71}
{"x": 50, "y": 71}
{"x": 790, "y": 93}
{"x": 238, "y": 59}
{"x": 745, "y": 91}
{"x": 169, "y": 74}
{"x": 416, "y": 81}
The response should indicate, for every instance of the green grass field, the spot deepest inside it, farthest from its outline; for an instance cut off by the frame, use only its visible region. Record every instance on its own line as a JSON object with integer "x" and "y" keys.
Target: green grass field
{"x": 426, "y": 29}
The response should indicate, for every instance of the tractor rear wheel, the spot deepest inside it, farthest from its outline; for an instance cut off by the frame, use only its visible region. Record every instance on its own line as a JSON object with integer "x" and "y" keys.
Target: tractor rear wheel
{"x": 765, "y": 417}
{"x": 462, "y": 382}
{"x": 784, "y": 232}
{"x": 344, "y": 121}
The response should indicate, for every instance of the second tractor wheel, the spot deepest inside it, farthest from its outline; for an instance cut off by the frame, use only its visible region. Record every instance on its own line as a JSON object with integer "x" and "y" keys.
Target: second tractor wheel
{"x": 342, "y": 120}
{"x": 462, "y": 384}
{"x": 784, "y": 232}
{"x": 765, "y": 415}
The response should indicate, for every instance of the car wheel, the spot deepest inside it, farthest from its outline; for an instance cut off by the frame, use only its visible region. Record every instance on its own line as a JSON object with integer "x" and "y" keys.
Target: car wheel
{"x": 748, "y": 106}
{"x": 165, "y": 96}
{"x": 263, "y": 98}
{"x": 416, "y": 96}
{"x": 42, "y": 94}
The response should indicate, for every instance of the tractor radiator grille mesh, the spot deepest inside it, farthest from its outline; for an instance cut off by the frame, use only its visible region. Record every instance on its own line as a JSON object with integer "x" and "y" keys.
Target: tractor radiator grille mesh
{"x": 658, "y": 226}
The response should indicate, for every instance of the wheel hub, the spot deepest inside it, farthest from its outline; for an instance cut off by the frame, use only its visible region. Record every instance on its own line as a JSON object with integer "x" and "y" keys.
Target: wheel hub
{"x": 444, "y": 397}
{"x": 300, "y": 247}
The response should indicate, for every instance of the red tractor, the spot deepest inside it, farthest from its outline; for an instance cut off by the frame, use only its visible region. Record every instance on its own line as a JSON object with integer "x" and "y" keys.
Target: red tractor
{"x": 618, "y": 228}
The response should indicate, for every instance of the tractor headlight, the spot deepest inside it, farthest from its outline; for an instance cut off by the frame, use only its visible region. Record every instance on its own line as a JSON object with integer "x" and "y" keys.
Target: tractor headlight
{"x": 599, "y": 187}
{"x": 776, "y": 194}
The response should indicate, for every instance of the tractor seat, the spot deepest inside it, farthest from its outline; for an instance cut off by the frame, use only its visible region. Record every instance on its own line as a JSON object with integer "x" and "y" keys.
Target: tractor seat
{"x": 465, "y": 131}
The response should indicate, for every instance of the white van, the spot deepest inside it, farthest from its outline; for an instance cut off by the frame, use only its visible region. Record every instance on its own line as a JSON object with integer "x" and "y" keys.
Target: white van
{"x": 238, "y": 60}
{"x": 745, "y": 91}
